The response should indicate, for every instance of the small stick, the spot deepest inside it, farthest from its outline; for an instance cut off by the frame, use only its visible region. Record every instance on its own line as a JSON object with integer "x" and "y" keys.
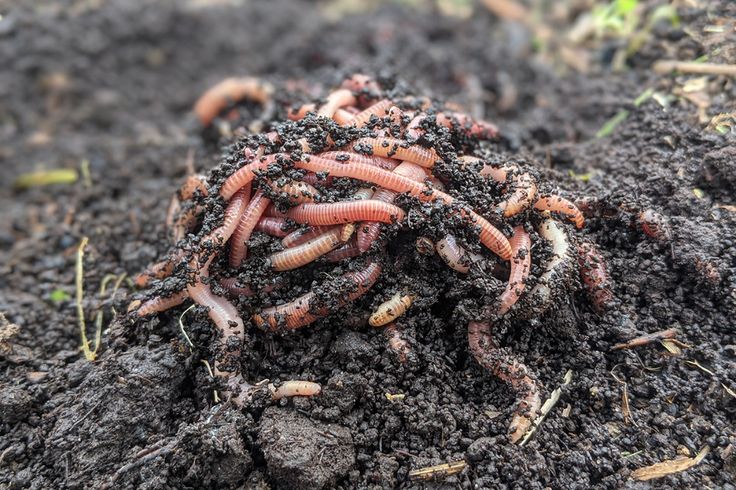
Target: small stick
{"x": 667, "y": 66}
{"x": 670, "y": 333}
{"x": 431, "y": 472}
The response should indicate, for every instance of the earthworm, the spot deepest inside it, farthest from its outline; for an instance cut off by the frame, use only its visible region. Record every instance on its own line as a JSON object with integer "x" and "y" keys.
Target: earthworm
{"x": 489, "y": 235}
{"x": 379, "y": 109}
{"x": 192, "y": 185}
{"x": 521, "y": 246}
{"x": 247, "y": 223}
{"x": 509, "y": 369}
{"x": 414, "y": 129}
{"x": 390, "y": 310}
{"x": 337, "y": 99}
{"x": 561, "y": 205}
{"x": 159, "y": 270}
{"x": 424, "y": 245}
{"x": 296, "y": 313}
{"x": 295, "y": 257}
{"x": 345, "y": 212}
{"x": 294, "y": 388}
{"x": 272, "y": 226}
{"x": 551, "y": 231}
{"x": 453, "y": 254}
{"x": 398, "y": 149}
{"x": 301, "y": 111}
{"x": 235, "y": 208}
{"x": 221, "y": 311}
{"x": 230, "y": 284}
{"x": 595, "y": 276}
{"x": 525, "y": 188}
{"x": 470, "y": 126}
{"x": 228, "y": 91}
{"x": 352, "y": 157}
{"x": 396, "y": 342}
{"x": 343, "y": 117}
{"x": 161, "y": 303}
{"x": 654, "y": 225}
{"x": 349, "y": 250}
{"x": 363, "y": 85}
{"x": 180, "y": 225}
{"x": 246, "y": 174}
{"x": 312, "y": 178}
{"x": 297, "y": 237}
{"x": 297, "y": 192}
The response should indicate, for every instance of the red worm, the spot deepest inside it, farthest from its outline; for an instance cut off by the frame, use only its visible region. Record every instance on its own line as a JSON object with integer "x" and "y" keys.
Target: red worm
{"x": 489, "y": 235}
{"x": 453, "y": 254}
{"x": 471, "y": 127}
{"x": 337, "y": 99}
{"x": 561, "y": 205}
{"x": 343, "y": 117}
{"x": 301, "y": 112}
{"x": 509, "y": 369}
{"x": 414, "y": 129}
{"x": 228, "y": 91}
{"x": 234, "y": 210}
{"x": 352, "y": 157}
{"x": 595, "y": 276}
{"x": 245, "y": 227}
{"x": 246, "y": 174}
{"x": 525, "y": 187}
{"x": 398, "y": 149}
{"x": 654, "y": 225}
{"x": 347, "y": 251}
{"x": 313, "y": 179}
{"x": 396, "y": 342}
{"x": 221, "y": 311}
{"x": 297, "y": 237}
{"x": 379, "y": 109}
{"x": 363, "y": 85}
{"x": 297, "y": 192}
{"x": 521, "y": 246}
{"x": 296, "y": 313}
{"x": 159, "y": 270}
{"x": 160, "y": 303}
{"x": 293, "y": 258}
{"x": 345, "y": 212}
{"x": 230, "y": 284}
{"x": 275, "y": 227}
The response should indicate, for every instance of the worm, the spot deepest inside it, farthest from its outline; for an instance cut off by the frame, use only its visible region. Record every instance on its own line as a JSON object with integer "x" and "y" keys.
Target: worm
{"x": 379, "y": 109}
{"x": 246, "y": 174}
{"x": 471, "y": 127}
{"x": 159, "y": 270}
{"x": 300, "y": 112}
{"x": 396, "y": 342}
{"x": 398, "y": 149}
{"x": 510, "y": 370}
{"x": 160, "y": 303}
{"x": 313, "y": 179}
{"x": 521, "y": 246}
{"x": 296, "y": 314}
{"x": 453, "y": 254}
{"x": 654, "y": 225}
{"x": 364, "y": 86}
{"x": 390, "y": 310}
{"x": 230, "y": 284}
{"x": 220, "y": 310}
{"x": 297, "y": 192}
{"x": 525, "y": 188}
{"x": 297, "y": 237}
{"x": 490, "y": 236}
{"x": 230, "y": 90}
{"x": 337, "y": 99}
{"x": 595, "y": 276}
{"x": 294, "y": 388}
{"x": 424, "y": 245}
{"x": 561, "y": 205}
{"x": 272, "y": 226}
{"x": 345, "y": 212}
{"x": 248, "y": 221}
{"x": 349, "y": 250}
{"x": 295, "y": 257}
{"x": 352, "y": 157}
{"x": 343, "y": 117}
{"x": 234, "y": 210}
{"x": 551, "y": 231}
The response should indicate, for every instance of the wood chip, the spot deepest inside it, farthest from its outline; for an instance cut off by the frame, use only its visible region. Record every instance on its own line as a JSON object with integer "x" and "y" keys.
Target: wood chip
{"x": 441, "y": 470}
{"x": 659, "y": 470}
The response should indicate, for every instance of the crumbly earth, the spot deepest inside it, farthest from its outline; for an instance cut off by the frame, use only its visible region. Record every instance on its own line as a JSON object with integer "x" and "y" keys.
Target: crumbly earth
{"x": 112, "y": 84}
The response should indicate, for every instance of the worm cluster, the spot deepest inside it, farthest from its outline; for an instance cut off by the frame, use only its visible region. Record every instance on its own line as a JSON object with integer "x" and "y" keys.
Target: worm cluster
{"x": 341, "y": 192}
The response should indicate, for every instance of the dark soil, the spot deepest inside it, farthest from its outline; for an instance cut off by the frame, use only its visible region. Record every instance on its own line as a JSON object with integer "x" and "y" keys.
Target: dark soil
{"x": 113, "y": 84}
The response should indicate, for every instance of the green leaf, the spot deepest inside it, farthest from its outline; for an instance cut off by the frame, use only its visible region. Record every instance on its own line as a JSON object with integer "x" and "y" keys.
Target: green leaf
{"x": 59, "y": 295}
{"x": 612, "y": 123}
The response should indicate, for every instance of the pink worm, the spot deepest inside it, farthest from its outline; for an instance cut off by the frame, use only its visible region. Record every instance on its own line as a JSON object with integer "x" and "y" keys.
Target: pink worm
{"x": 159, "y": 303}
{"x": 453, "y": 254}
{"x": 345, "y": 212}
{"x": 343, "y": 117}
{"x": 508, "y": 369}
{"x": 349, "y": 250}
{"x": 272, "y": 226}
{"x": 246, "y": 174}
{"x": 561, "y": 205}
{"x": 352, "y": 157}
{"x": 379, "y": 109}
{"x": 400, "y": 150}
{"x": 230, "y": 285}
{"x": 368, "y": 232}
{"x": 489, "y": 235}
{"x": 297, "y": 192}
{"x": 337, "y": 99}
{"x": 470, "y": 126}
{"x": 246, "y": 225}
{"x": 360, "y": 83}
{"x": 296, "y": 313}
{"x": 396, "y": 342}
{"x": 297, "y": 237}
{"x": 293, "y": 258}
{"x": 234, "y": 210}
{"x": 312, "y": 179}
{"x": 525, "y": 188}
{"x": 595, "y": 276}
{"x": 520, "y": 263}
{"x": 227, "y": 91}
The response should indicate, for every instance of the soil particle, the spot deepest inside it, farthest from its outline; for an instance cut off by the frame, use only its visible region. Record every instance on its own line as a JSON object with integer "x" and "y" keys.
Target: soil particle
{"x": 302, "y": 453}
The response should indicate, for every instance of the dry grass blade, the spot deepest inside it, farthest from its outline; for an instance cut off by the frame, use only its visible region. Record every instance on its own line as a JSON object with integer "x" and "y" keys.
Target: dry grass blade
{"x": 549, "y": 404}
{"x": 441, "y": 470}
{"x": 659, "y": 470}
{"x": 46, "y": 177}
{"x": 89, "y": 354}
{"x": 666, "y": 66}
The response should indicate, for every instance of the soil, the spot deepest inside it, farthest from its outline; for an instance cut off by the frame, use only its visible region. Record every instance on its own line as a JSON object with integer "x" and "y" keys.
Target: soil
{"x": 112, "y": 84}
